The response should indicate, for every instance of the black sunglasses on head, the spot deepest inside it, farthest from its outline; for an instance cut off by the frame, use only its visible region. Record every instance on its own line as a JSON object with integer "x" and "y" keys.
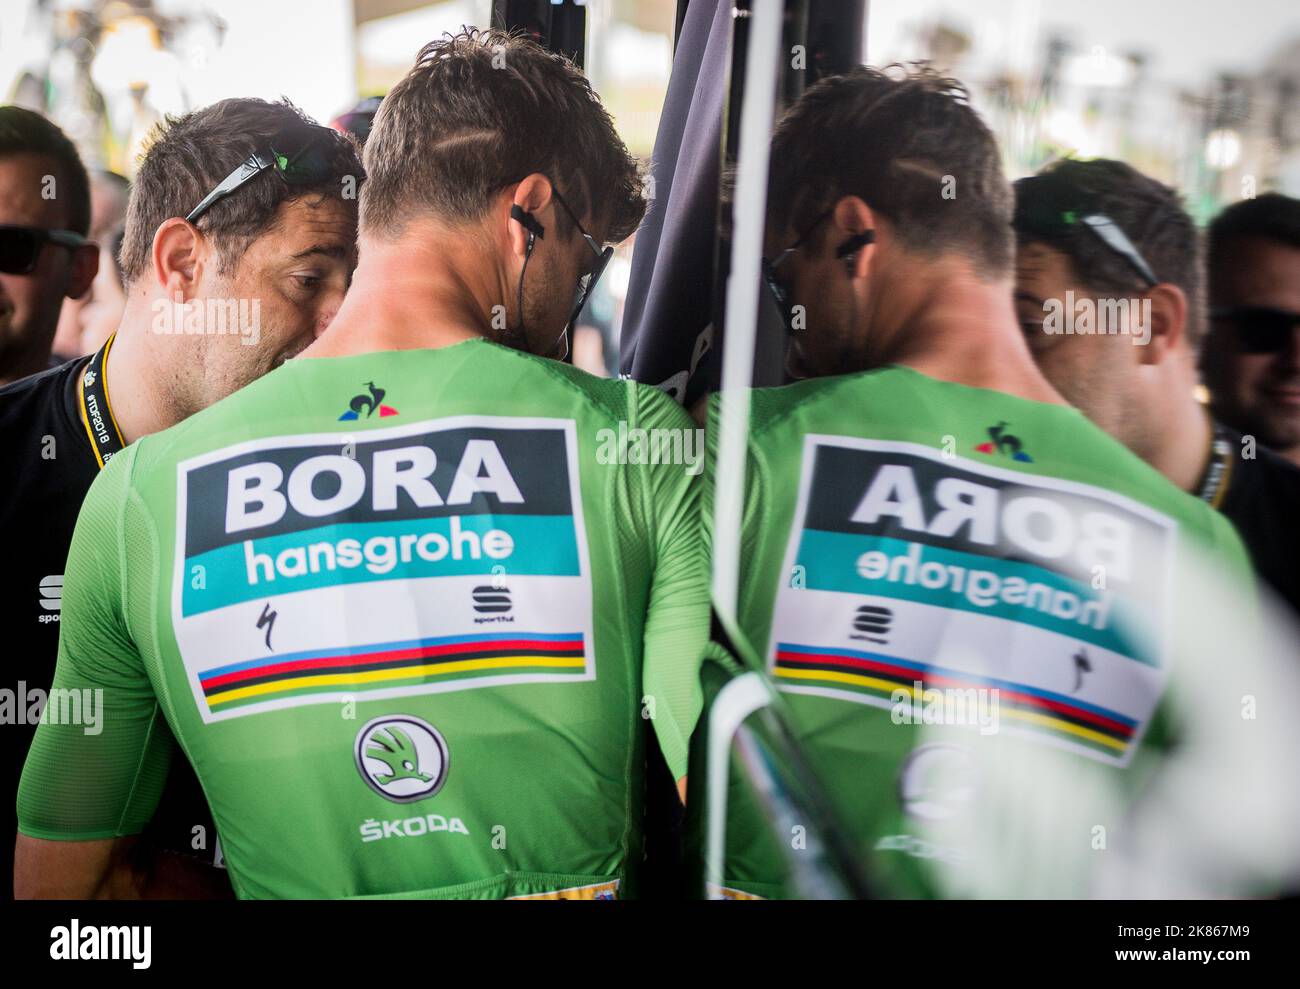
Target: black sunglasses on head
{"x": 1048, "y": 206}
{"x": 20, "y": 247}
{"x": 1260, "y": 329}
{"x": 296, "y": 154}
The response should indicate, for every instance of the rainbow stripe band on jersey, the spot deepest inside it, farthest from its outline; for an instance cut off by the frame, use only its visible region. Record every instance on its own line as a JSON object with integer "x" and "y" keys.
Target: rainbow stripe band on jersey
{"x": 391, "y": 664}
{"x": 1025, "y": 707}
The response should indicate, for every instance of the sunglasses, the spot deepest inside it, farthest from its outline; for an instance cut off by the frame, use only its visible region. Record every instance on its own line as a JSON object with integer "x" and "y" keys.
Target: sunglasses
{"x": 20, "y": 247}
{"x": 1041, "y": 208}
{"x": 296, "y": 154}
{"x": 780, "y": 295}
{"x": 587, "y": 283}
{"x": 1260, "y": 329}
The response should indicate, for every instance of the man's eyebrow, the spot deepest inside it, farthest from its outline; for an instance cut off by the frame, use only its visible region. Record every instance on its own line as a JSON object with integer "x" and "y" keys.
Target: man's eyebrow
{"x": 1026, "y": 297}
{"x": 328, "y": 250}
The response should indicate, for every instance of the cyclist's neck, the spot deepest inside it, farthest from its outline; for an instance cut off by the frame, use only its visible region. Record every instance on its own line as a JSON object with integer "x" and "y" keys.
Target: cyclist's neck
{"x": 420, "y": 291}
{"x": 964, "y": 330}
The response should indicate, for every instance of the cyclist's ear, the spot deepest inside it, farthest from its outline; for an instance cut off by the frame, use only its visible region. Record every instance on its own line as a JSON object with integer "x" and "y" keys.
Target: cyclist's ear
{"x": 852, "y": 234}
{"x": 525, "y": 204}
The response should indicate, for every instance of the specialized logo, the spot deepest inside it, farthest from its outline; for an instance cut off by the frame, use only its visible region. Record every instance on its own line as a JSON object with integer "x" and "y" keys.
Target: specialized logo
{"x": 267, "y": 621}
{"x": 1004, "y": 443}
{"x": 344, "y": 564}
{"x": 976, "y": 578}
{"x": 1081, "y": 666}
{"x": 368, "y": 402}
{"x": 871, "y": 623}
{"x": 402, "y": 758}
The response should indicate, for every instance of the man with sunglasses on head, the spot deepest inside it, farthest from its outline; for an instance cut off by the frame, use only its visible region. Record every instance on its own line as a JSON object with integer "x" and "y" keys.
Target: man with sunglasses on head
{"x": 1133, "y": 368}
{"x": 1252, "y": 353}
{"x": 240, "y": 240}
{"x": 924, "y": 512}
{"x": 436, "y": 609}
{"x": 44, "y": 254}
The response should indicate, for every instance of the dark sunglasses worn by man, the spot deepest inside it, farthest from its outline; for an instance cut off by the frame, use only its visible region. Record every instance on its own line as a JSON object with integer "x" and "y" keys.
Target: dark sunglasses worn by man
{"x": 1259, "y": 329}
{"x": 20, "y": 247}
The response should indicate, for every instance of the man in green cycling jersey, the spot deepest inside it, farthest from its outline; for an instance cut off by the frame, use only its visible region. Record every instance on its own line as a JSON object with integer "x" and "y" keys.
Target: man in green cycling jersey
{"x": 403, "y": 603}
{"x": 926, "y": 518}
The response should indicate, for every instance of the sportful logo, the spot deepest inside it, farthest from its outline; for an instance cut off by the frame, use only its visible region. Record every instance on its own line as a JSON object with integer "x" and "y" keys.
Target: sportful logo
{"x": 369, "y": 404}
{"x": 872, "y": 623}
{"x": 1004, "y": 443}
{"x": 52, "y": 591}
{"x": 491, "y": 600}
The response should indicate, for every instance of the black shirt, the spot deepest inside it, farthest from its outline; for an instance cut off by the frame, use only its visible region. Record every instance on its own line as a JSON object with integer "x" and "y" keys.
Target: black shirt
{"x": 1262, "y": 501}
{"x": 46, "y": 468}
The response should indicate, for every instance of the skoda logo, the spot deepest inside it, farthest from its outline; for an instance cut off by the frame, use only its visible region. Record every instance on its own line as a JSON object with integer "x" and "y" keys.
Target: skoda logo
{"x": 936, "y": 782}
{"x": 402, "y": 758}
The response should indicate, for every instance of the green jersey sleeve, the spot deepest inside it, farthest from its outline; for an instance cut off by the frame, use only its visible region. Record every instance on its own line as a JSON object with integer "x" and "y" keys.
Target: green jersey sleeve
{"x": 677, "y": 619}
{"x": 101, "y": 752}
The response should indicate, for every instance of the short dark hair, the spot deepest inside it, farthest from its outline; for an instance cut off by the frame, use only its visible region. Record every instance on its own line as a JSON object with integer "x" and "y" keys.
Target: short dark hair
{"x": 1150, "y": 214}
{"x": 187, "y": 156}
{"x": 893, "y": 137}
{"x": 24, "y": 131}
{"x": 482, "y": 110}
{"x": 1271, "y": 216}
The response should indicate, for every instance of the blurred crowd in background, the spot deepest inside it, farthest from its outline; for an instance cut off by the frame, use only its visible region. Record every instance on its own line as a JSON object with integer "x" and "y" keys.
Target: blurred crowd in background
{"x": 1204, "y": 101}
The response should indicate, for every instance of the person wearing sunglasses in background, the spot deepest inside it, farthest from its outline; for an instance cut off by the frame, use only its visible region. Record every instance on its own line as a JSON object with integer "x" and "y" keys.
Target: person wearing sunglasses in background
{"x": 86, "y": 322}
{"x": 409, "y": 623}
{"x": 1121, "y": 246}
{"x": 239, "y": 243}
{"x": 45, "y": 256}
{"x": 1252, "y": 354}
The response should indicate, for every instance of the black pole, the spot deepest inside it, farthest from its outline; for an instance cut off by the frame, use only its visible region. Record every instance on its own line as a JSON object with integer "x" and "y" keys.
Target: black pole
{"x": 557, "y": 27}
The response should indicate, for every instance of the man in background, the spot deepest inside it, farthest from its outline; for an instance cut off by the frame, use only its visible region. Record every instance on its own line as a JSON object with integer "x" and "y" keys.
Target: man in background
{"x": 1252, "y": 355}
{"x": 45, "y": 256}
{"x": 240, "y": 242}
{"x": 80, "y": 333}
{"x": 1109, "y": 293}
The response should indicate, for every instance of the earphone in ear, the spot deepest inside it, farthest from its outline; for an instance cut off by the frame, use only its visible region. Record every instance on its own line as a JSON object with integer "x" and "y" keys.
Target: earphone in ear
{"x": 848, "y": 251}
{"x": 528, "y": 222}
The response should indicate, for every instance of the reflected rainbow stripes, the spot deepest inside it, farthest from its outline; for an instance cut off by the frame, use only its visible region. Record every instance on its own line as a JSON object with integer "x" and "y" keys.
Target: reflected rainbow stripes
{"x": 877, "y": 676}
{"x": 393, "y": 664}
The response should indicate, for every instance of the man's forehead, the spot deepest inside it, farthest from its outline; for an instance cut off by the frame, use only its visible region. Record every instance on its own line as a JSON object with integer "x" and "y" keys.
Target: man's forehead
{"x": 1036, "y": 260}
{"x": 1259, "y": 271}
{"x": 308, "y": 222}
{"x": 30, "y": 190}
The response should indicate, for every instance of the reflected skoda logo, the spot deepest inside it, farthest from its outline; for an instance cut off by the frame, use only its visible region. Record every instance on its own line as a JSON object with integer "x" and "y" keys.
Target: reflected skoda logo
{"x": 936, "y": 782}
{"x": 402, "y": 758}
